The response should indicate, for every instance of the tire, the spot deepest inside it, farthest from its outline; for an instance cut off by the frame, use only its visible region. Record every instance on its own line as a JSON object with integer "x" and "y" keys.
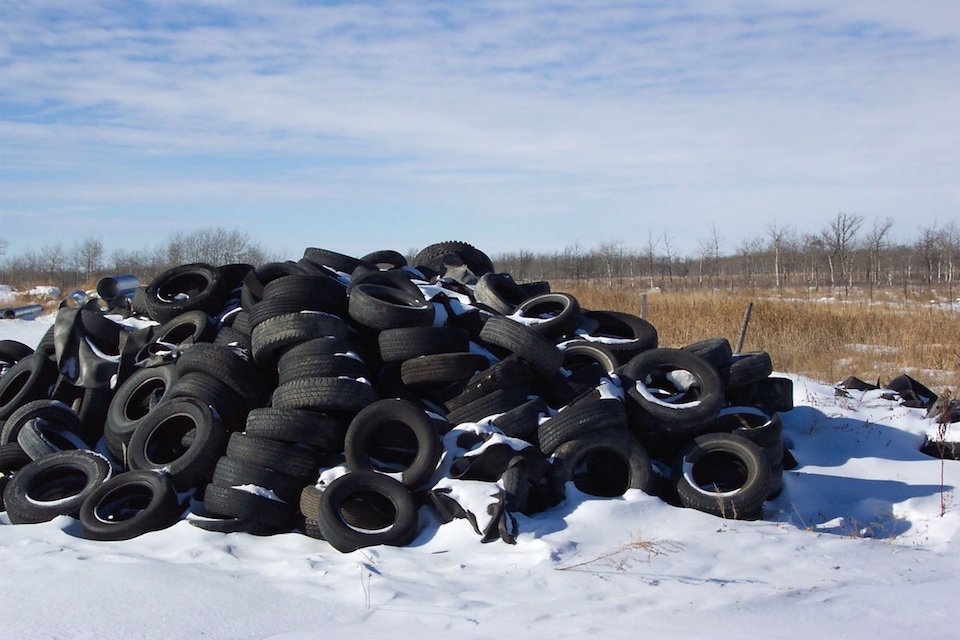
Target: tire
{"x": 499, "y": 401}
{"x": 271, "y": 337}
{"x": 261, "y": 275}
{"x": 722, "y": 474}
{"x": 499, "y": 292}
{"x": 394, "y": 278}
{"x": 522, "y": 421}
{"x": 690, "y": 410}
{"x": 324, "y": 394}
{"x": 398, "y": 345}
{"x": 318, "y": 347}
{"x": 13, "y": 352}
{"x": 230, "y": 337}
{"x": 157, "y": 443}
{"x": 624, "y": 334}
{"x": 12, "y": 458}
{"x": 332, "y": 259}
{"x": 432, "y": 257}
{"x": 716, "y": 351}
{"x": 134, "y": 400}
{"x": 290, "y": 459}
{"x": 605, "y": 465}
{"x": 749, "y": 368}
{"x": 187, "y": 287}
{"x": 563, "y": 311}
{"x": 54, "y": 412}
{"x": 579, "y": 421}
{"x": 398, "y": 529}
{"x": 510, "y": 372}
{"x": 385, "y": 257}
{"x": 770, "y": 395}
{"x": 309, "y": 502}
{"x": 90, "y": 404}
{"x": 228, "y": 365}
{"x": 39, "y": 438}
{"x": 233, "y": 274}
{"x": 47, "y": 347}
{"x": 230, "y": 406}
{"x": 331, "y": 366}
{"x": 297, "y": 427}
{"x": 230, "y": 472}
{"x": 391, "y": 436}
{"x": 237, "y": 503}
{"x": 518, "y": 339}
{"x": 187, "y": 328}
{"x": 442, "y": 368}
{"x": 578, "y": 353}
{"x": 28, "y": 380}
{"x": 128, "y": 505}
{"x": 299, "y": 292}
{"x": 756, "y": 426}
{"x": 55, "y": 485}
{"x": 379, "y": 307}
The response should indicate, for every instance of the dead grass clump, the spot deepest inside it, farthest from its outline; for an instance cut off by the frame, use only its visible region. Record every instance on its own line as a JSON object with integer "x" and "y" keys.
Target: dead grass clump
{"x": 826, "y": 340}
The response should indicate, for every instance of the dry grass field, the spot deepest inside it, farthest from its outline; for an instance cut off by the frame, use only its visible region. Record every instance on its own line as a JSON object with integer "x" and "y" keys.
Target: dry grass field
{"x": 825, "y": 339}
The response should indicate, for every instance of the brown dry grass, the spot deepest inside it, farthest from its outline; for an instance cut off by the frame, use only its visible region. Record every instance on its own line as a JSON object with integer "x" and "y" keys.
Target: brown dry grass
{"x": 824, "y": 340}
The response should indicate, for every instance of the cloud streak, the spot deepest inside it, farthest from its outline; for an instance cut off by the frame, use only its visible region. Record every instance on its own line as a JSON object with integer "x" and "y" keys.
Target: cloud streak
{"x": 632, "y": 114}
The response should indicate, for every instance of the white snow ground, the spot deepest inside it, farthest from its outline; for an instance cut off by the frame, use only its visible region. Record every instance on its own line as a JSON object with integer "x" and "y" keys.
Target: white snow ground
{"x": 854, "y": 547}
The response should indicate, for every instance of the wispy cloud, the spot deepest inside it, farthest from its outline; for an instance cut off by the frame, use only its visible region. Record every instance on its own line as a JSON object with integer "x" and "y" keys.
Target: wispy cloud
{"x": 537, "y": 115}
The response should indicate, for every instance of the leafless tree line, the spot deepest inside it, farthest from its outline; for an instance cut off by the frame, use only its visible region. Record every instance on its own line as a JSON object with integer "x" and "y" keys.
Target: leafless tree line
{"x": 87, "y": 260}
{"x": 849, "y": 252}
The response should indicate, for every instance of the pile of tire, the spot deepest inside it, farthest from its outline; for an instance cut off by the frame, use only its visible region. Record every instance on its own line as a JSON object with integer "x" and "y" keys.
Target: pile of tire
{"x": 316, "y": 396}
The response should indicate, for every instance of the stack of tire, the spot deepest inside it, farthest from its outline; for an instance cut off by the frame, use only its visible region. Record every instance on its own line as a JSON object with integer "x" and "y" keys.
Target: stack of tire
{"x": 257, "y": 379}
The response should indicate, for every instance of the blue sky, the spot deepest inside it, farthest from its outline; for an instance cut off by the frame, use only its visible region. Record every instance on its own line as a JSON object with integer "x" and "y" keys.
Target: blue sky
{"x": 512, "y": 125}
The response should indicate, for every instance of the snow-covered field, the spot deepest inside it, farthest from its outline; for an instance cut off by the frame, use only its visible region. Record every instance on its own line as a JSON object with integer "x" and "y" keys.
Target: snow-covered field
{"x": 854, "y": 547}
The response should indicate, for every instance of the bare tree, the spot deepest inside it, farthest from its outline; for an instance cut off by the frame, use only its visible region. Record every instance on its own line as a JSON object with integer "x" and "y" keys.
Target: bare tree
{"x": 650, "y": 255}
{"x": 668, "y": 255}
{"x": 778, "y": 235}
{"x": 89, "y": 255}
{"x": 839, "y": 238}
{"x": 877, "y": 240}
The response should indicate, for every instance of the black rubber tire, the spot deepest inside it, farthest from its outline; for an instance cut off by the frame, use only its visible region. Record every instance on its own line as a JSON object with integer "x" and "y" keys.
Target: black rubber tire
{"x": 701, "y": 401}
{"x": 380, "y": 307}
{"x": 90, "y": 404}
{"x": 291, "y": 459}
{"x": 12, "y": 458}
{"x": 332, "y": 259}
{"x": 499, "y": 292}
{"x": 13, "y": 352}
{"x": 231, "y": 472}
{"x": 529, "y": 345}
{"x": 394, "y": 278}
{"x": 203, "y": 285}
{"x": 47, "y": 347}
{"x": 309, "y": 502}
{"x": 227, "y": 364}
{"x": 55, "y": 485}
{"x": 39, "y": 438}
{"x": 27, "y": 380}
{"x": 563, "y": 310}
{"x": 578, "y": 352}
{"x": 261, "y": 275}
{"x": 512, "y": 371}
{"x": 716, "y": 351}
{"x": 230, "y": 337}
{"x": 604, "y": 464}
{"x": 54, "y": 412}
{"x": 157, "y": 443}
{"x": 237, "y": 503}
{"x": 187, "y": 328}
{"x": 499, "y": 401}
{"x": 233, "y": 274}
{"x": 749, "y": 368}
{"x": 324, "y": 394}
{"x": 736, "y": 469}
{"x": 581, "y": 420}
{"x": 134, "y": 400}
{"x": 397, "y": 345}
{"x": 432, "y": 256}
{"x": 776, "y": 481}
{"x": 318, "y": 347}
{"x": 272, "y": 336}
{"x": 770, "y": 395}
{"x": 397, "y": 531}
{"x": 390, "y": 257}
{"x": 128, "y": 505}
{"x": 299, "y": 292}
{"x": 755, "y": 425}
{"x": 331, "y": 366}
{"x": 516, "y": 488}
{"x": 522, "y": 421}
{"x": 632, "y": 333}
{"x": 416, "y": 458}
{"x": 296, "y": 426}
{"x": 230, "y": 406}
{"x": 442, "y": 368}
